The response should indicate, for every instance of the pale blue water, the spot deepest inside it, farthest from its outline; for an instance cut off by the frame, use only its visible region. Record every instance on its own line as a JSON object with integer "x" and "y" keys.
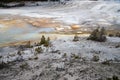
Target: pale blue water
{"x": 18, "y": 34}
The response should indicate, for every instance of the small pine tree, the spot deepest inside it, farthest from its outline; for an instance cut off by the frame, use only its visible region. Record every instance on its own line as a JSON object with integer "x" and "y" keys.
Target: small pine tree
{"x": 38, "y": 50}
{"x": 48, "y": 39}
{"x": 103, "y": 31}
{"x": 47, "y": 42}
{"x": 76, "y": 38}
{"x": 102, "y": 36}
{"x": 42, "y": 40}
{"x": 98, "y": 35}
{"x": 94, "y": 34}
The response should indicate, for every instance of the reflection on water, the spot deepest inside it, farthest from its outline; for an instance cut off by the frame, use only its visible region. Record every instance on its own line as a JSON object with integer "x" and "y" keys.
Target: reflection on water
{"x": 18, "y": 33}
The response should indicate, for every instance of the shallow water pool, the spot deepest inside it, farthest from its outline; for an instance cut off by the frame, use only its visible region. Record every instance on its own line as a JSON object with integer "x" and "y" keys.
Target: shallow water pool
{"x": 19, "y": 33}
